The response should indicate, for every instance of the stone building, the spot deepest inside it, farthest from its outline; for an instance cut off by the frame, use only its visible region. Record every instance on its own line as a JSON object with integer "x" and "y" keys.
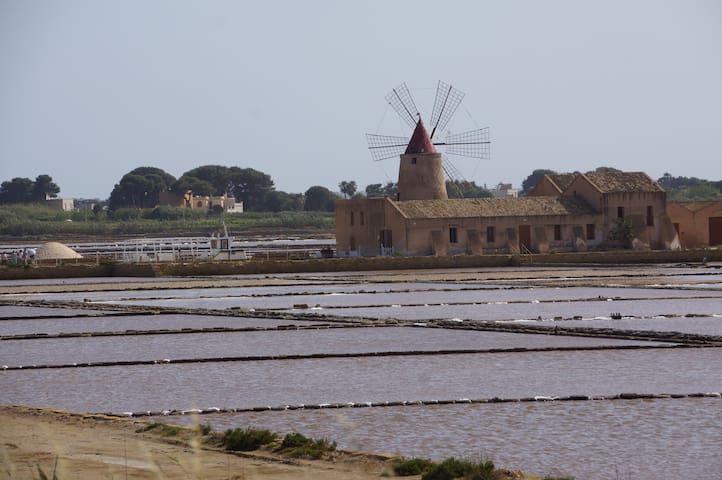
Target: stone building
{"x": 698, "y": 224}
{"x": 571, "y": 212}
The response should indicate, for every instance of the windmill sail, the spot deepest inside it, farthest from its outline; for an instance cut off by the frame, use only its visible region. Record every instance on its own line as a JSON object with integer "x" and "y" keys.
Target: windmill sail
{"x": 383, "y": 147}
{"x": 474, "y": 144}
{"x": 445, "y": 104}
{"x": 400, "y": 100}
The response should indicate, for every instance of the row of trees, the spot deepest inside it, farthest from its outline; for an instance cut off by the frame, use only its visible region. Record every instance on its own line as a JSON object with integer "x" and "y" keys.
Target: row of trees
{"x": 142, "y": 187}
{"x": 24, "y": 190}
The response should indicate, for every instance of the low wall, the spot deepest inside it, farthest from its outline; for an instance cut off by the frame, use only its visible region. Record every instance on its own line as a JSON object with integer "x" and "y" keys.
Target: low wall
{"x": 620, "y": 257}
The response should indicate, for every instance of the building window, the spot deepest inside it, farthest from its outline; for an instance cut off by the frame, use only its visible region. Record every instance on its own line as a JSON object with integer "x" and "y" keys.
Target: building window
{"x": 199, "y": 204}
{"x": 490, "y": 234}
{"x": 452, "y": 235}
{"x": 557, "y": 232}
{"x": 620, "y": 212}
{"x": 590, "y": 231}
{"x": 650, "y": 216}
{"x": 361, "y": 217}
{"x": 413, "y": 161}
{"x": 352, "y": 218}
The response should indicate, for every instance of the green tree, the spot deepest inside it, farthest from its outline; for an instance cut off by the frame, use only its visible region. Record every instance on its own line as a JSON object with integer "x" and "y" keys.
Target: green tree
{"x": 278, "y": 201}
{"x": 348, "y": 188}
{"x": 531, "y": 181}
{"x": 140, "y": 188}
{"x": 17, "y": 190}
{"x": 217, "y": 176}
{"x": 466, "y": 189}
{"x": 44, "y": 187}
{"x": 319, "y": 199}
{"x": 251, "y": 187}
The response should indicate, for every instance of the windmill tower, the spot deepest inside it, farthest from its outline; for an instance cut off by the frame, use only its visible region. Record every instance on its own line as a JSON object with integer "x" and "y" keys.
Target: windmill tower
{"x": 422, "y": 169}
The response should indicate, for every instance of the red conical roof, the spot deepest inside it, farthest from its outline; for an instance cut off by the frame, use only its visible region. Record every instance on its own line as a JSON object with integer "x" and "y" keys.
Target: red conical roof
{"x": 420, "y": 141}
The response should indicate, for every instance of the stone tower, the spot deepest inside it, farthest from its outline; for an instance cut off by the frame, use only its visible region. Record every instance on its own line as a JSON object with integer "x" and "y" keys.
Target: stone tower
{"x": 421, "y": 176}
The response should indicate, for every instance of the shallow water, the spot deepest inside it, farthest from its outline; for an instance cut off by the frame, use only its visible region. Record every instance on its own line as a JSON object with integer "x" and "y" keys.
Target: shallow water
{"x": 671, "y": 438}
{"x": 594, "y": 440}
{"x": 284, "y": 342}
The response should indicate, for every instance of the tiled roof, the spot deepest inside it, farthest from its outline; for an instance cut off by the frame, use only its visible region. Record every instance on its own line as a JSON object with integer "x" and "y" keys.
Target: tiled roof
{"x": 494, "y": 207}
{"x": 609, "y": 181}
{"x": 562, "y": 180}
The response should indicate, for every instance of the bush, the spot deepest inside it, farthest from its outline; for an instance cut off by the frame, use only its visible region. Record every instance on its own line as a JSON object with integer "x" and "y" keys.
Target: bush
{"x": 299, "y": 446}
{"x": 454, "y": 468}
{"x": 412, "y": 466}
{"x": 240, "y": 440}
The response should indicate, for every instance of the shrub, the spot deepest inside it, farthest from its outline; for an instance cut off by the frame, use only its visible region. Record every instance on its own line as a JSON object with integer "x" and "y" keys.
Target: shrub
{"x": 454, "y": 468}
{"x": 204, "y": 428}
{"x": 245, "y": 440}
{"x": 299, "y": 446}
{"x": 412, "y": 466}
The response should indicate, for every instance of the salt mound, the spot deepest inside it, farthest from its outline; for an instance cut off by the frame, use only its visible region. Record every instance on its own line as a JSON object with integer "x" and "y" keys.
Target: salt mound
{"x": 56, "y": 251}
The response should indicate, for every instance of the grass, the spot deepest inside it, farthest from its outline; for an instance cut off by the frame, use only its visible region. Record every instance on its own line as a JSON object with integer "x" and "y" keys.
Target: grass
{"x": 412, "y": 466}
{"x": 448, "y": 469}
{"x": 298, "y": 446}
{"x": 246, "y": 440}
{"x": 163, "y": 429}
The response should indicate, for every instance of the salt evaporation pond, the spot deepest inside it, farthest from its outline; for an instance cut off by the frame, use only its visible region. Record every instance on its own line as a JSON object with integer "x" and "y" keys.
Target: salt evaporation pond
{"x": 110, "y": 323}
{"x": 641, "y": 439}
{"x": 636, "y": 439}
{"x": 367, "y": 379}
{"x": 285, "y": 342}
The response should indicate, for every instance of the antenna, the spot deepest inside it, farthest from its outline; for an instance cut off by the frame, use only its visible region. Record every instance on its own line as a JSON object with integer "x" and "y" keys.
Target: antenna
{"x": 445, "y": 104}
{"x": 400, "y": 100}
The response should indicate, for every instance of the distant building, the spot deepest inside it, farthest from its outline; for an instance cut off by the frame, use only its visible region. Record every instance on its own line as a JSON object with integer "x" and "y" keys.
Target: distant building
{"x": 64, "y": 204}
{"x": 698, "y": 224}
{"x": 200, "y": 202}
{"x": 564, "y": 213}
{"x": 504, "y": 190}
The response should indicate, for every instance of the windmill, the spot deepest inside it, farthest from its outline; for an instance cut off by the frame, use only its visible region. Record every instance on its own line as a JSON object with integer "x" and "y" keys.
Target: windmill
{"x": 422, "y": 170}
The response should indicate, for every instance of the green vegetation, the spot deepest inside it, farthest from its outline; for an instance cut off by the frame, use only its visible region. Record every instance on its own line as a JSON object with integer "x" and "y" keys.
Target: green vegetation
{"x": 246, "y": 440}
{"x": 29, "y": 220}
{"x": 455, "y": 468}
{"x": 299, "y": 446}
{"x": 412, "y": 466}
{"x": 162, "y": 428}
{"x": 686, "y": 189}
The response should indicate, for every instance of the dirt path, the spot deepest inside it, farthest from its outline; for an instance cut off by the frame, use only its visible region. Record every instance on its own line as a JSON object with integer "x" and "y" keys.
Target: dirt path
{"x": 84, "y": 446}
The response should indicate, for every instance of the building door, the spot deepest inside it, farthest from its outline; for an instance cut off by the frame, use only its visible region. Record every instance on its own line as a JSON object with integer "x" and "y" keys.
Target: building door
{"x": 386, "y": 243}
{"x": 715, "y": 231}
{"x": 524, "y": 238}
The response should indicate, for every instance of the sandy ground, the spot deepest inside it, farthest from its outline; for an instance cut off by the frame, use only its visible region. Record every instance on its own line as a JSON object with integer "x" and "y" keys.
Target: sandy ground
{"x": 97, "y": 447}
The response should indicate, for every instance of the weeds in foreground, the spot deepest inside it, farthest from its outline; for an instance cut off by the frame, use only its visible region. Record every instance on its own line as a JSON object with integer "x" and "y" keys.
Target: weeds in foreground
{"x": 299, "y": 446}
{"x": 448, "y": 469}
{"x": 164, "y": 429}
{"x": 412, "y": 466}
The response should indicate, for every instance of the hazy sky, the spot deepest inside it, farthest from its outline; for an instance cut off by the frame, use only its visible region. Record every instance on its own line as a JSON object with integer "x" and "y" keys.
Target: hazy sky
{"x": 91, "y": 89}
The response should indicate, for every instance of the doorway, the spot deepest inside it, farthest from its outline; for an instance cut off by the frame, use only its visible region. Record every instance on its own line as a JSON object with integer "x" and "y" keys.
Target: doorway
{"x": 524, "y": 238}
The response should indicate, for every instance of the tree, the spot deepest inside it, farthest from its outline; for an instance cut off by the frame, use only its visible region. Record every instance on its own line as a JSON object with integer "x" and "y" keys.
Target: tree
{"x": 348, "y": 188}
{"x": 44, "y": 187}
{"x": 17, "y": 190}
{"x": 217, "y": 176}
{"x": 466, "y": 189}
{"x": 531, "y": 181}
{"x": 140, "y": 188}
{"x": 251, "y": 187}
{"x": 277, "y": 201}
{"x": 319, "y": 199}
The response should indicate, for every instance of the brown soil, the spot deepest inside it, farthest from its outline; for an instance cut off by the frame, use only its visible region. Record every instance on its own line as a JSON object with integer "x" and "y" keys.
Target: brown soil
{"x": 48, "y": 443}
{"x": 94, "y": 446}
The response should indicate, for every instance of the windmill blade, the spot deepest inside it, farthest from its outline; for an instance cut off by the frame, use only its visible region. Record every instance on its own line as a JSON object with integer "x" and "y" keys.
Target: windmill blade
{"x": 474, "y": 144}
{"x": 400, "y": 100}
{"x": 453, "y": 174}
{"x": 382, "y": 146}
{"x": 445, "y": 104}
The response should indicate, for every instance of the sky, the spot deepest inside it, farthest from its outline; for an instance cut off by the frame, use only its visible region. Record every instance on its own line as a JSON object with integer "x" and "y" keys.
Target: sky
{"x": 91, "y": 89}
